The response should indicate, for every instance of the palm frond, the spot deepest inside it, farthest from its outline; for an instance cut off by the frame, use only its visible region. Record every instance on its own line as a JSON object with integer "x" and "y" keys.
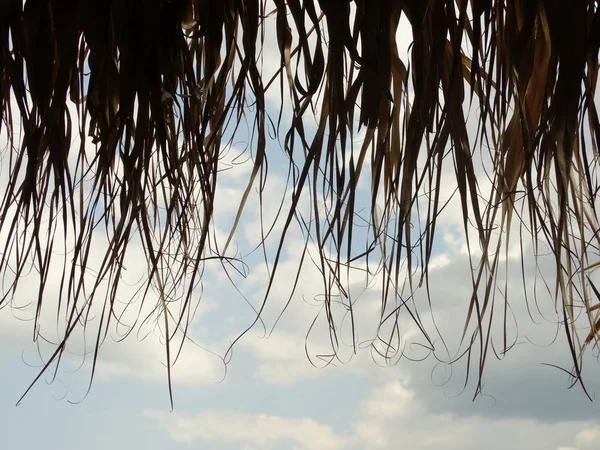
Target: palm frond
{"x": 158, "y": 88}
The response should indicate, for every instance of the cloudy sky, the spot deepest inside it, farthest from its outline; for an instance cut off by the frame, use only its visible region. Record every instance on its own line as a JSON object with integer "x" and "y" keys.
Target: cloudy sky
{"x": 275, "y": 389}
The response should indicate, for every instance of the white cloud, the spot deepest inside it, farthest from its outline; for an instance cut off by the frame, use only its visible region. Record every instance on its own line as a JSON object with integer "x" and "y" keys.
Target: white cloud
{"x": 146, "y": 360}
{"x": 281, "y": 358}
{"x": 391, "y": 414}
{"x": 388, "y": 402}
{"x": 252, "y": 430}
{"x": 588, "y": 439}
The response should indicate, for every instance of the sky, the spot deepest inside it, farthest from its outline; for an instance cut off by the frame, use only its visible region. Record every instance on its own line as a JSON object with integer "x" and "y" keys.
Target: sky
{"x": 275, "y": 390}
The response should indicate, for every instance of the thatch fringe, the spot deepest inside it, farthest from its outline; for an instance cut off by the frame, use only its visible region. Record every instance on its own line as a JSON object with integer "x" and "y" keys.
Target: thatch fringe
{"x": 154, "y": 84}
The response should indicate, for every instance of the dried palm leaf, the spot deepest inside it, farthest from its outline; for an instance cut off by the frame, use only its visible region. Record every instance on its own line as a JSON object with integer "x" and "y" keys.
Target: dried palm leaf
{"x": 155, "y": 85}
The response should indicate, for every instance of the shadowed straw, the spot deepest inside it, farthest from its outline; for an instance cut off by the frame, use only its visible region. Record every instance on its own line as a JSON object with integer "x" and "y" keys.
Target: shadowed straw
{"x": 154, "y": 86}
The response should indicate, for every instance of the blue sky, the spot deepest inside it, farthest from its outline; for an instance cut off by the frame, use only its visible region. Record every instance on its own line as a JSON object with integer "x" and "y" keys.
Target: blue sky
{"x": 271, "y": 397}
